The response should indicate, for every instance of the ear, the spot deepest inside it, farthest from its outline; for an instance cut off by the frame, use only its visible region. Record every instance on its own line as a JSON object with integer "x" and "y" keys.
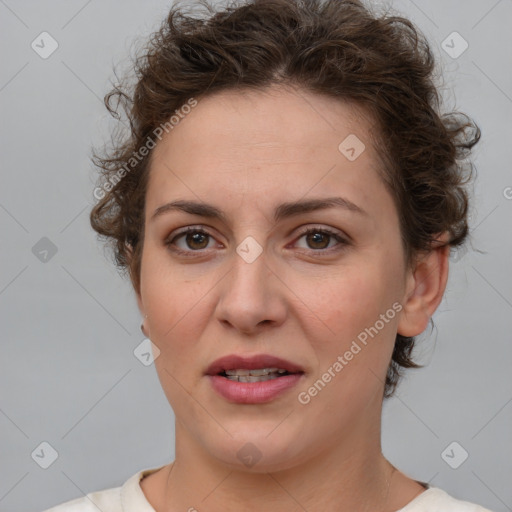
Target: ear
{"x": 426, "y": 283}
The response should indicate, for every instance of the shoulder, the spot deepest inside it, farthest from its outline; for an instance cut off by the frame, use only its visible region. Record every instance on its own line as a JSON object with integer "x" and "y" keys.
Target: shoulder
{"x": 108, "y": 500}
{"x": 437, "y": 500}
{"x": 127, "y": 498}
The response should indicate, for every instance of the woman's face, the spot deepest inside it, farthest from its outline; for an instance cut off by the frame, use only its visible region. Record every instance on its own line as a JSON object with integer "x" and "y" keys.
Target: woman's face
{"x": 250, "y": 283}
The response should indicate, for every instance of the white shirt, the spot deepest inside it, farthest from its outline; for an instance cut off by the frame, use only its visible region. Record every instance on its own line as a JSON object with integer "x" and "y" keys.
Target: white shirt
{"x": 130, "y": 498}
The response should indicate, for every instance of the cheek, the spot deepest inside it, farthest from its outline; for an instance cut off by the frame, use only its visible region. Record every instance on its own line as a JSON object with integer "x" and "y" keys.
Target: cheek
{"x": 349, "y": 303}
{"x": 175, "y": 306}
{"x": 352, "y": 357}
{"x": 177, "y": 318}
{"x": 340, "y": 304}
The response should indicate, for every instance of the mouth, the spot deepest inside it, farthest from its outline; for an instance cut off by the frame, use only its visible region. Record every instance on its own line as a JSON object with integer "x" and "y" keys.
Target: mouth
{"x": 260, "y": 367}
{"x": 257, "y": 375}
{"x": 252, "y": 380}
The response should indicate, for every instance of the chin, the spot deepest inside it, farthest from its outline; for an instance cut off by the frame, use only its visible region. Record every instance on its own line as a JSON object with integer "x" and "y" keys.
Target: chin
{"x": 256, "y": 451}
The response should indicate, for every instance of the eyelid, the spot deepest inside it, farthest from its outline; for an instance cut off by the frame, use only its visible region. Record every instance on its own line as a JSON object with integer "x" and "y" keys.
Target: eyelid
{"x": 326, "y": 229}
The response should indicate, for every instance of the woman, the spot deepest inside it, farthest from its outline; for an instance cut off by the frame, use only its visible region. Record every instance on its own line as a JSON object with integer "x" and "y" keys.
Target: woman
{"x": 285, "y": 206}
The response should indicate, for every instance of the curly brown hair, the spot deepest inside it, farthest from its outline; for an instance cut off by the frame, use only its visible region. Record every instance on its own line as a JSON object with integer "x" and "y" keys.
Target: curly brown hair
{"x": 338, "y": 48}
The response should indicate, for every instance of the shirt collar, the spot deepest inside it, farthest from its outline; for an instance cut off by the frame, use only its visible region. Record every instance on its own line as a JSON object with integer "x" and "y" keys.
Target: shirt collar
{"x": 133, "y": 498}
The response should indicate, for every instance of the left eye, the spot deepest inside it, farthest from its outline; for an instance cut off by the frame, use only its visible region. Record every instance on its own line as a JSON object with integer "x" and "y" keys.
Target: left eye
{"x": 316, "y": 238}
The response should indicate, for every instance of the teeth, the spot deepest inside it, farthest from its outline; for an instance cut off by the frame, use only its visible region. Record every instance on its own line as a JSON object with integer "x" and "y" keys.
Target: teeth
{"x": 252, "y": 378}
{"x": 238, "y": 372}
{"x": 255, "y": 373}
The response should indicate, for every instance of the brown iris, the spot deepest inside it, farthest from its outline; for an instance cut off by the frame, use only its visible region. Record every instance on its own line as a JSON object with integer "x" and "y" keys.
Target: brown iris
{"x": 316, "y": 239}
{"x": 195, "y": 237}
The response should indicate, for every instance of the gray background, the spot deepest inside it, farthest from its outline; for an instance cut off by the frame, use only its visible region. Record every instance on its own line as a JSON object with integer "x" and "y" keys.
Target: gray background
{"x": 70, "y": 325}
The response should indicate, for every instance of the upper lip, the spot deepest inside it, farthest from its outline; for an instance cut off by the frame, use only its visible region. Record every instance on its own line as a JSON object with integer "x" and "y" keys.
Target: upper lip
{"x": 237, "y": 362}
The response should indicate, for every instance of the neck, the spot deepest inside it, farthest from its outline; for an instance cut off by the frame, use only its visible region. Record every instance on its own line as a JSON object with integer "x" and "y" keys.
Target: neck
{"x": 350, "y": 474}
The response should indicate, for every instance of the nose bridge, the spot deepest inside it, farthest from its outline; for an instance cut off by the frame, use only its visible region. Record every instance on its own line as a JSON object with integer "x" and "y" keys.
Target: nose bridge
{"x": 250, "y": 294}
{"x": 249, "y": 268}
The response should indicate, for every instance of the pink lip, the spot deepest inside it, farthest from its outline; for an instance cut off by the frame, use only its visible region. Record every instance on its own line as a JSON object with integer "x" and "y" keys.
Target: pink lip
{"x": 235, "y": 362}
{"x": 252, "y": 392}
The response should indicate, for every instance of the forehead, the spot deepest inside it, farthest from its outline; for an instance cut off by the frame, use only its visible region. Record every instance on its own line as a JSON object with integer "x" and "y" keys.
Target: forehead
{"x": 278, "y": 117}
{"x": 263, "y": 144}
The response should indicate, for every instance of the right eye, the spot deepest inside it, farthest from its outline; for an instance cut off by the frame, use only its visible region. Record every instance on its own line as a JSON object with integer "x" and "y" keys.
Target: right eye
{"x": 195, "y": 240}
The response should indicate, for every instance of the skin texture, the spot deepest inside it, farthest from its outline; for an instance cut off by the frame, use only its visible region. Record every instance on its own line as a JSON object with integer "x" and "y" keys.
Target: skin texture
{"x": 246, "y": 153}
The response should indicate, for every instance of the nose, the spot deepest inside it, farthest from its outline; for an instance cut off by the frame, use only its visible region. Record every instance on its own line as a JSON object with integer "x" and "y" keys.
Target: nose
{"x": 252, "y": 296}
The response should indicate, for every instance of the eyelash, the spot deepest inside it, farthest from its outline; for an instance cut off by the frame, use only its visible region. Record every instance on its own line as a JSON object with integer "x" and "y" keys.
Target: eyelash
{"x": 342, "y": 242}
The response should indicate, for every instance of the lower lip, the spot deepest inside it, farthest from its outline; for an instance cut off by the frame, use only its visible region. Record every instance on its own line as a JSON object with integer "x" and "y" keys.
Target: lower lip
{"x": 253, "y": 392}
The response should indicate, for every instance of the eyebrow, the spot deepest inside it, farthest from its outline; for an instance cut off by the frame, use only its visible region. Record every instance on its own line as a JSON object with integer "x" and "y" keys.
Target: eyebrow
{"x": 283, "y": 211}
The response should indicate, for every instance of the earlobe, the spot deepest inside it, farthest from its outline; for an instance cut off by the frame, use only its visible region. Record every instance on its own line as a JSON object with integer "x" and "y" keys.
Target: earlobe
{"x": 426, "y": 284}
{"x": 144, "y": 315}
